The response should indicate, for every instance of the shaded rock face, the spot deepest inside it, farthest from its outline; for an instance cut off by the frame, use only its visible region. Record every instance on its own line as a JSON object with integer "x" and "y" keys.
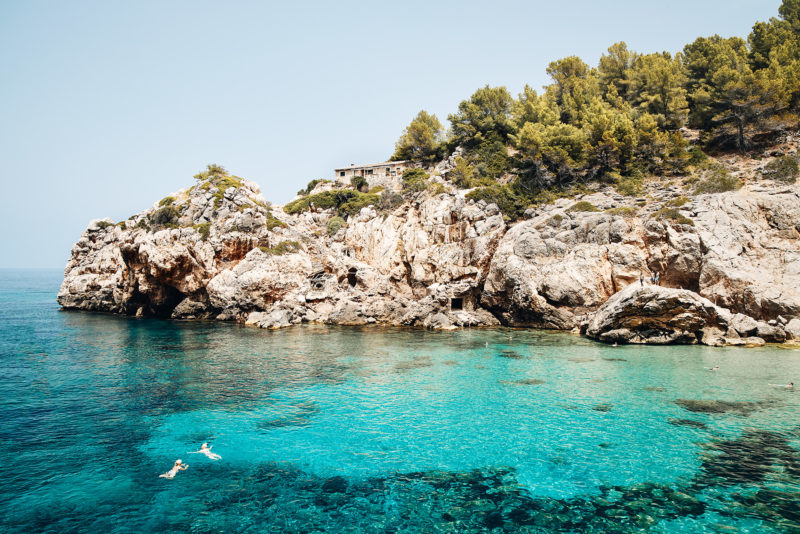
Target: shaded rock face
{"x": 217, "y": 250}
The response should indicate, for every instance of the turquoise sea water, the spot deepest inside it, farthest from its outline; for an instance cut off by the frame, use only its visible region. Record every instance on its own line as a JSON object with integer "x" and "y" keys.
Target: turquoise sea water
{"x": 326, "y": 429}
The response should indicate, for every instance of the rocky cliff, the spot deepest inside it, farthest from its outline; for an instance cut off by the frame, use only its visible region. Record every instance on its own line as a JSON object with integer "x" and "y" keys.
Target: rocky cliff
{"x": 217, "y": 250}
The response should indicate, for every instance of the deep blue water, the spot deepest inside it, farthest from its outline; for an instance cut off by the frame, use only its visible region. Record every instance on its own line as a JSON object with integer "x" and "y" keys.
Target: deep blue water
{"x": 327, "y": 429}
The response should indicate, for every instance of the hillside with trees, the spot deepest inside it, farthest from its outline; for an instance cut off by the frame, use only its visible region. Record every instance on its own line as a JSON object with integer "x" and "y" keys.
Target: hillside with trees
{"x": 632, "y": 116}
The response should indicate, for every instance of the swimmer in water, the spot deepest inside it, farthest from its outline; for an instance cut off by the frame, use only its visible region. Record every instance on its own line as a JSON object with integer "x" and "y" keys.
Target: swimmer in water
{"x": 174, "y": 471}
{"x": 715, "y": 368}
{"x": 205, "y": 449}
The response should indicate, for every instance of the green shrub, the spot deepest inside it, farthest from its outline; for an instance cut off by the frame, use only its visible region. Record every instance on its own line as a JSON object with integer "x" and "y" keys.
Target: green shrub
{"x": 783, "y": 169}
{"x": 311, "y": 185}
{"x": 557, "y": 218}
{"x": 166, "y": 216}
{"x": 142, "y": 224}
{"x": 345, "y": 201}
{"x": 510, "y": 203}
{"x": 211, "y": 171}
{"x": 204, "y": 229}
{"x": 624, "y": 211}
{"x": 462, "y": 174}
{"x": 677, "y": 202}
{"x": 354, "y": 205}
{"x": 583, "y": 205}
{"x": 672, "y": 214}
{"x": 377, "y": 189}
{"x": 284, "y": 247}
{"x": 435, "y": 188}
{"x": 716, "y": 180}
{"x": 696, "y": 156}
{"x": 415, "y": 180}
{"x": 273, "y": 222}
{"x": 167, "y": 201}
{"x": 630, "y": 186}
{"x": 359, "y": 183}
{"x": 335, "y": 224}
{"x": 389, "y": 199}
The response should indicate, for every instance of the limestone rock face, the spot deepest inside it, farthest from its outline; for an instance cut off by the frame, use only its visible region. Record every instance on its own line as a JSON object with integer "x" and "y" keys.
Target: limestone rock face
{"x": 751, "y": 259}
{"x": 729, "y": 264}
{"x": 741, "y": 250}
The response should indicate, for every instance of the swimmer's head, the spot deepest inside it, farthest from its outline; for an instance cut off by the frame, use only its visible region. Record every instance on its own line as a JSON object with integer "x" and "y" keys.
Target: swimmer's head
{"x": 204, "y": 445}
{"x": 177, "y": 461}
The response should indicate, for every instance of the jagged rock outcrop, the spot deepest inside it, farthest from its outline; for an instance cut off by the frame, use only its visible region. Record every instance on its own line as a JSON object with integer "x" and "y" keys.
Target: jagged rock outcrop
{"x": 739, "y": 249}
{"x": 217, "y": 250}
{"x": 661, "y": 315}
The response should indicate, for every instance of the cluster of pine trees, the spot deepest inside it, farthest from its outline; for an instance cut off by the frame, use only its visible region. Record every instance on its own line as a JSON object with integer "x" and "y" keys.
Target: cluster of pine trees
{"x": 621, "y": 119}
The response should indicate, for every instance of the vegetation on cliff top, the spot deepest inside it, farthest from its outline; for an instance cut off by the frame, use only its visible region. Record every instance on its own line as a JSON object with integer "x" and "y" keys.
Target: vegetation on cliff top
{"x": 622, "y": 119}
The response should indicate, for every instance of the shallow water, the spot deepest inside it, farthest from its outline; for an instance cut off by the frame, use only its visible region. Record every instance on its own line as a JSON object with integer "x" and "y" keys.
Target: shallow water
{"x": 382, "y": 430}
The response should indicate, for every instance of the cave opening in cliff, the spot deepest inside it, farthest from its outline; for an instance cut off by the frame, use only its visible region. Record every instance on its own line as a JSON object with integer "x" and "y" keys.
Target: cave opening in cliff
{"x": 351, "y": 276}
{"x": 457, "y": 303}
{"x": 165, "y": 305}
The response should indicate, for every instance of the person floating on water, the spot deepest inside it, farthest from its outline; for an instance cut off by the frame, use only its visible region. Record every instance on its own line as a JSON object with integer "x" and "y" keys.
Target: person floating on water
{"x": 205, "y": 449}
{"x": 715, "y": 368}
{"x": 790, "y": 385}
{"x": 174, "y": 471}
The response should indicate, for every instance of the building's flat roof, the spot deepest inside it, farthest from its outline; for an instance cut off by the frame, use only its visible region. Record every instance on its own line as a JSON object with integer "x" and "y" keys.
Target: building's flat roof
{"x": 384, "y": 164}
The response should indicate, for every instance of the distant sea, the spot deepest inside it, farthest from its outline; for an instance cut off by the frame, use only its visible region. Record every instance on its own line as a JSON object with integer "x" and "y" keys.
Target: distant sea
{"x": 332, "y": 429}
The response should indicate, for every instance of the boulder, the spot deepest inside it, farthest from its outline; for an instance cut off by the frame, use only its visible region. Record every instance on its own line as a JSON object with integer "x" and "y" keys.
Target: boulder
{"x": 793, "y": 328}
{"x": 658, "y": 315}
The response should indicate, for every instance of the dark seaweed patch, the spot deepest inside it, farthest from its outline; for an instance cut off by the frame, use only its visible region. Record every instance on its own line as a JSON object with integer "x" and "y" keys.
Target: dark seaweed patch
{"x": 743, "y": 408}
{"x": 687, "y": 422}
{"x": 417, "y": 362}
{"x": 511, "y": 355}
{"x": 615, "y": 359}
{"x": 651, "y": 388}
{"x": 523, "y": 382}
{"x": 749, "y": 459}
{"x": 602, "y": 407}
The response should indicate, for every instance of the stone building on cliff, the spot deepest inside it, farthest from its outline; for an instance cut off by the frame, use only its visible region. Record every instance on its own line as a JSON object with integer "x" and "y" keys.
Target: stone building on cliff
{"x": 384, "y": 174}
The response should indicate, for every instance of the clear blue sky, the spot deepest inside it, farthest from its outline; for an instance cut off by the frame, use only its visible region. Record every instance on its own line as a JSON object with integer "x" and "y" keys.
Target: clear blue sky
{"x": 106, "y": 107}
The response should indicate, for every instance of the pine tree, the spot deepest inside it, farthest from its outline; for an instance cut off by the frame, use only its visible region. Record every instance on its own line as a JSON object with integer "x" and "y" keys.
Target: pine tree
{"x": 421, "y": 139}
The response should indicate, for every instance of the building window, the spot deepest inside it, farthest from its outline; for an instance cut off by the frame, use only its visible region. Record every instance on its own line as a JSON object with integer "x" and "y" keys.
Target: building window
{"x": 341, "y": 173}
{"x": 388, "y": 170}
{"x": 369, "y": 171}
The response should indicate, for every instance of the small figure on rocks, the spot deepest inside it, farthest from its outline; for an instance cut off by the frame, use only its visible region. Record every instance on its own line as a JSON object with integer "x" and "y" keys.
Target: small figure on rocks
{"x": 641, "y": 279}
{"x": 652, "y": 278}
{"x": 206, "y": 449}
{"x": 174, "y": 471}
{"x": 658, "y": 281}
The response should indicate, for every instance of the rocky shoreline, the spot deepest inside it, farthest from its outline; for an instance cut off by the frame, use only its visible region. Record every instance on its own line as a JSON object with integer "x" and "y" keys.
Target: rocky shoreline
{"x": 729, "y": 263}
